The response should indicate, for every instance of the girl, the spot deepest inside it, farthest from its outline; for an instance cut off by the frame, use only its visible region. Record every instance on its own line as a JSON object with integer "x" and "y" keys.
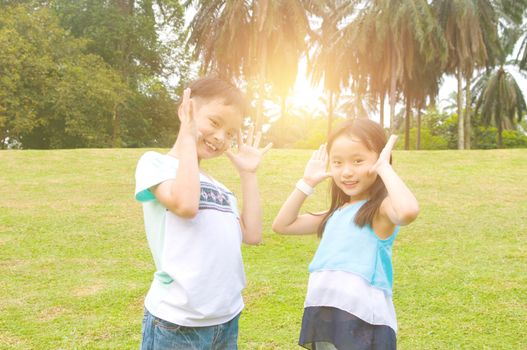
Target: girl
{"x": 349, "y": 297}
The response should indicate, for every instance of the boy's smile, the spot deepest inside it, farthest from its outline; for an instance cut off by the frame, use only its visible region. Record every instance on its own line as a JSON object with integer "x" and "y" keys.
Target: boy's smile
{"x": 217, "y": 125}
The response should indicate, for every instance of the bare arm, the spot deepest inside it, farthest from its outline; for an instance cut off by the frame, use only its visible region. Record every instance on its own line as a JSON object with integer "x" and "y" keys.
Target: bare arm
{"x": 246, "y": 162}
{"x": 400, "y": 207}
{"x": 181, "y": 195}
{"x": 288, "y": 221}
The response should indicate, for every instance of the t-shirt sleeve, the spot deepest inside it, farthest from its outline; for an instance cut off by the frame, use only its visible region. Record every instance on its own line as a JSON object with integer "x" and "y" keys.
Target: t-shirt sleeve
{"x": 152, "y": 169}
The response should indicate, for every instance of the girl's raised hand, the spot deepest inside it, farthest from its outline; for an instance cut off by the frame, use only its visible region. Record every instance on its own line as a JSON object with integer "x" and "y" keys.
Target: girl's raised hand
{"x": 249, "y": 155}
{"x": 315, "y": 171}
{"x": 384, "y": 157}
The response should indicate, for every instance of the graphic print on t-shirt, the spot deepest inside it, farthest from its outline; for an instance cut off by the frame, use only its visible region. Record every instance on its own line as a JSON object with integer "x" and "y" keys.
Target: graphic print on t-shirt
{"x": 212, "y": 197}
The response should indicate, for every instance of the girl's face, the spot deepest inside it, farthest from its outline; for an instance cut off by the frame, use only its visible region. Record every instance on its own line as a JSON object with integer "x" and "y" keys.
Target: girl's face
{"x": 218, "y": 125}
{"x": 349, "y": 164}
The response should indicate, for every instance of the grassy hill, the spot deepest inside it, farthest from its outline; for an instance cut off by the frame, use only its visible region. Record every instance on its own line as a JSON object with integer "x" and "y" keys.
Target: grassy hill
{"x": 75, "y": 266}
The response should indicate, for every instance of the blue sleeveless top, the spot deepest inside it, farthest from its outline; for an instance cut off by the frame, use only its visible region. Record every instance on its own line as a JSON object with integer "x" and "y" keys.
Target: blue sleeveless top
{"x": 348, "y": 247}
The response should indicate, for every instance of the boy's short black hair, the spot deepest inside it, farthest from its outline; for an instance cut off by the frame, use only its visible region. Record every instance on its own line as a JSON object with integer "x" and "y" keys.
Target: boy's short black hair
{"x": 213, "y": 87}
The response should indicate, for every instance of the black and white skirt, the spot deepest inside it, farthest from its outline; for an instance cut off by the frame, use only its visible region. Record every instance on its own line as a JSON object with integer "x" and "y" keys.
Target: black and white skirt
{"x": 344, "y": 312}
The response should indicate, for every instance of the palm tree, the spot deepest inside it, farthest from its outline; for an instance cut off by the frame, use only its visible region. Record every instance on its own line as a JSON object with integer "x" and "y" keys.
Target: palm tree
{"x": 470, "y": 29}
{"x": 421, "y": 78}
{"x": 523, "y": 56}
{"x": 240, "y": 39}
{"x": 322, "y": 63}
{"x": 500, "y": 100}
{"x": 220, "y": 35}
{"x": 285, "y": 47}
{"x": 379, "y": 44}
{"x": 497, "y": 93}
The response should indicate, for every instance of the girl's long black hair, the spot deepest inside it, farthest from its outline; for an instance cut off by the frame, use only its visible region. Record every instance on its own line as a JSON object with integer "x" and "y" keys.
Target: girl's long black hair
{"x": 373, "y": 137}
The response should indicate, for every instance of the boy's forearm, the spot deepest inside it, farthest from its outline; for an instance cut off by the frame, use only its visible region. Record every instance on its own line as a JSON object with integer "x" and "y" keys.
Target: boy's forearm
{"x": 252, "y": 211}
{"x": 186, "y": 187}
{"x": 403, "y": 201}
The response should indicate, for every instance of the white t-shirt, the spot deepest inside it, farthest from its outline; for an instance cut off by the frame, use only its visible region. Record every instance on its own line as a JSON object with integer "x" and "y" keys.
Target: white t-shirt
{"x": 199, "y": 268}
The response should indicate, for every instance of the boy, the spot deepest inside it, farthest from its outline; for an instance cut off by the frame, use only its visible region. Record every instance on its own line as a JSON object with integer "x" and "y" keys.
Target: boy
{"x": 192, "y": 223}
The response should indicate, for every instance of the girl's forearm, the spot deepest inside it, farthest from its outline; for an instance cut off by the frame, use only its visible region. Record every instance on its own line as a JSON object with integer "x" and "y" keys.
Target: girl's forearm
{"x": 404, "y": 204}
{"x": 252, "y": 210}
{"x": 289, "y": 211}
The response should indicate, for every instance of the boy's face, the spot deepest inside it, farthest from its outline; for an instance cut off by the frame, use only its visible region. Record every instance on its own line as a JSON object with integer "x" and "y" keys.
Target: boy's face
{"x": 218, "y": 125}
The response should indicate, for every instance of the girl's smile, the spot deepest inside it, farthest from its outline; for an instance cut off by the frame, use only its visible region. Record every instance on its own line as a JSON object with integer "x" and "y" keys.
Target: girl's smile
{"x": 350, "y": 162}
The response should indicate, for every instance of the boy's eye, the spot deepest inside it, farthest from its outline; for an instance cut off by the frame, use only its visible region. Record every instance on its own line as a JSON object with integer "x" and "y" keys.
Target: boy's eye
{"x": 357, "y": 161}
{"x": 337, "y": 162}
{"x": 214, "y": 123}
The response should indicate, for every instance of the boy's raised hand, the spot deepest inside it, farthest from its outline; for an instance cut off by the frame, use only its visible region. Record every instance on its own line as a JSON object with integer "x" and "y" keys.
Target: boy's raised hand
{"x": 384, "y": 157}
{"x": 186, "y": 115}
{"x": 249, "y": 156}
{"x": 315, "y": 171}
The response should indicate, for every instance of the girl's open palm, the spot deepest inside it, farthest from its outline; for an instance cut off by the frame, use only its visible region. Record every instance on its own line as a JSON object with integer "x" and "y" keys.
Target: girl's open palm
{"x": 384, "y": 157}
{"x": 315, "y": 171}
{"x": 249, "y": 155}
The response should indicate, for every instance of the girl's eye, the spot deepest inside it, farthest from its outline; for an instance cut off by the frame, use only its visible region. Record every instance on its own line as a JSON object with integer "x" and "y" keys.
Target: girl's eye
{"x": 358, "y": 161}
{"x": 214, "y": 123}
{"x": 337, "y": 162}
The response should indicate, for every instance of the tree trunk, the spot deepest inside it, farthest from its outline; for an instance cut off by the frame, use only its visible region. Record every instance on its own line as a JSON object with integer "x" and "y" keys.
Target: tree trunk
{"x": 407, "y": 122}
{"x": 261, "y": 87}
{"x": 116, "y": 134}
{"x": 3, "y": 139}
{"x": 467, "y": 129}
{"x": 392, "y": 101}
{"x": 382, "y": 109}
{"x": 500, "y": 136}
{"x": 126, "y": 7}
{"x": 330, "y": 112}
{"x": 283, "y": 121}
{"x": 418, "y": 138}
{"x": 460, "y": 131}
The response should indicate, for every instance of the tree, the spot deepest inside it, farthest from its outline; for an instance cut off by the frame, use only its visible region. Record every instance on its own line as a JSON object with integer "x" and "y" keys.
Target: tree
{"x": 52, "y": 93}
{"x": 245, "y": 39}
{"x": 470, "y": 29}
{"x": 125, "y": 34}
{"x": 323, "y": 65}
{"x": 497, "y": 93}
{"x": 379, "y": 44}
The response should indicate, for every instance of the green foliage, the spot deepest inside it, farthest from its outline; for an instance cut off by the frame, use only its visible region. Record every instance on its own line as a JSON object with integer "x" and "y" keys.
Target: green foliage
{"x": 126, "y": 35}
{"x": 298, "y": 132}
{"x": 53, "y": 94}
{"x": 88, "y": 74}
{"x": 514, "y": 139}
{"x": 486, "y": 138}
{"x": 428, "y": 141}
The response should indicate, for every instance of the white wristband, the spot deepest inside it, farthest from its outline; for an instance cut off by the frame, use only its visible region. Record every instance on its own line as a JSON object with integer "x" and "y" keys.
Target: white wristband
{"x": 303, "y": 187}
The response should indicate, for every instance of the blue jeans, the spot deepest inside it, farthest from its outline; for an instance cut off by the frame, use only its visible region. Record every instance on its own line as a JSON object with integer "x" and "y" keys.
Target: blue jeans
{"x": 163, "y": 335}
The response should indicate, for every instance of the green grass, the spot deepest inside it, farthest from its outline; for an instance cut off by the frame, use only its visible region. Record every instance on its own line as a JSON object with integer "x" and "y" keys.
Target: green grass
{"x": 75, "y": 266}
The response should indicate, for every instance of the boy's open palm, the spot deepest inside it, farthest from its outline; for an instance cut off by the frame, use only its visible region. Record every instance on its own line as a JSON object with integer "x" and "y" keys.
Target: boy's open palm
{"x": 249, "y": 156}
{"x": 186, "y": 115}
{"x": 384, "y": 157}
{"x": 315, "y": 171}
